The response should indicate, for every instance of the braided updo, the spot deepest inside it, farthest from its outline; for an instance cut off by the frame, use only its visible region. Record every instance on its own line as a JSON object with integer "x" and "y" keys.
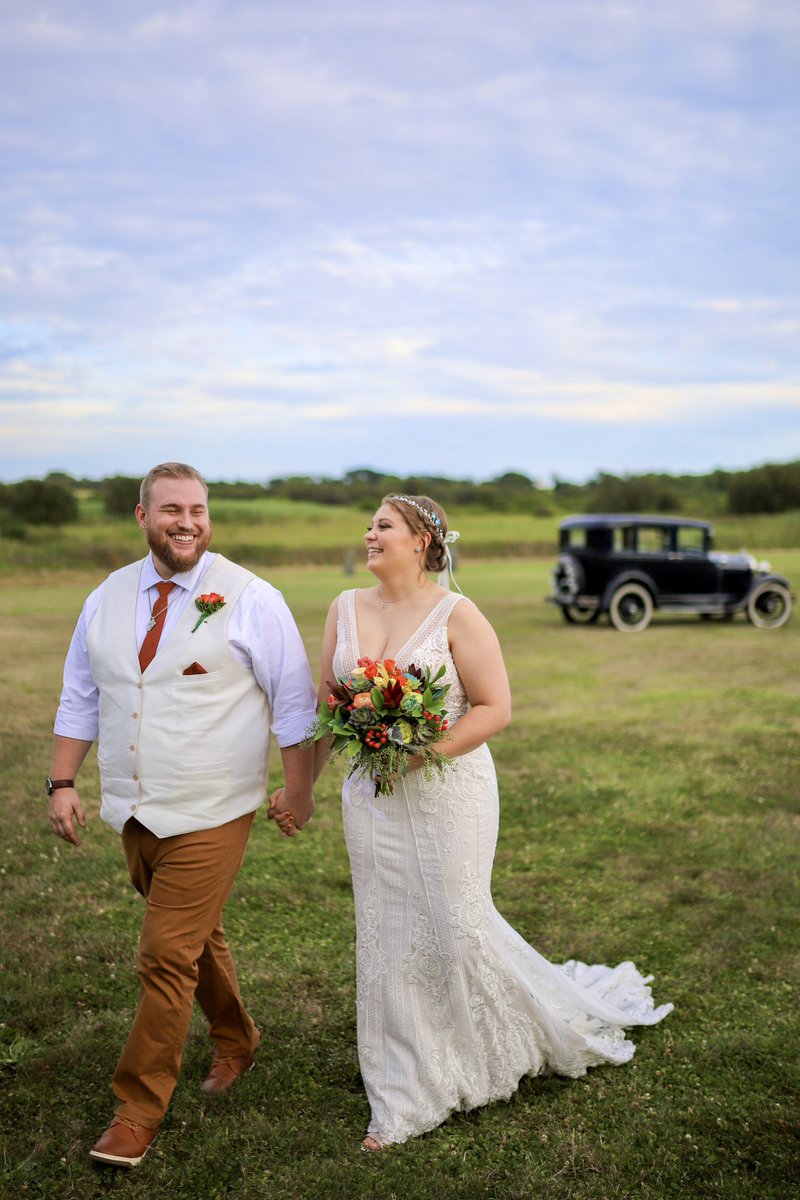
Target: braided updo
{"x": 423, "y": 515}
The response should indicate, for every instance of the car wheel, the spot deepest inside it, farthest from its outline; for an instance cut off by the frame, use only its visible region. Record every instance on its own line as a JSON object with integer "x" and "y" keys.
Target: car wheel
{"x": 769, "y": 605}
{"x": 579, "y": 616}
{"x": 631, "y": 608}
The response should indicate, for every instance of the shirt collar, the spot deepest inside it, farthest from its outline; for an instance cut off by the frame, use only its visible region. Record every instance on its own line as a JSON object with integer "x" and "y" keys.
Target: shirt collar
{"x": 188, "y": 580}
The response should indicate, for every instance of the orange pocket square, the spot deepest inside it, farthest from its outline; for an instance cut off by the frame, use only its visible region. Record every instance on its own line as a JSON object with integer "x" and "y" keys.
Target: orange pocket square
{"x": 195, "y": 669}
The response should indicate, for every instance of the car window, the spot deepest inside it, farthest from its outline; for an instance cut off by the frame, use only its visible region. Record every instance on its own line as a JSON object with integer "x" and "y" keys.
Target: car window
{"x": 591, "y": 538}
{"x": 691, "y": 540}
{"x": 624, "y": 538}
{"x": 653, "y": 539}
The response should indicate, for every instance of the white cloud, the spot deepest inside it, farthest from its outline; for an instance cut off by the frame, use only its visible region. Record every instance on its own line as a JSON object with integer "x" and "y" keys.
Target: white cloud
{"x": 190, "y": 21}
{"x": 234, "y": 213}
{"x": 610, "y": 402}
{"x": 41, "y": 31}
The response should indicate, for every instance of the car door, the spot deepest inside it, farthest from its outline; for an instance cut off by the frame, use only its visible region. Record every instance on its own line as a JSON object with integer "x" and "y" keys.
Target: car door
{"x": 653, "y": 557}
{"x": 694, "y": 576}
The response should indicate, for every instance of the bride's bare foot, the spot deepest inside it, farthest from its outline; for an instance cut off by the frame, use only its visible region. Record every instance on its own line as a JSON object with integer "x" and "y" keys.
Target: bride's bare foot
{"x": 373, "y": 1141}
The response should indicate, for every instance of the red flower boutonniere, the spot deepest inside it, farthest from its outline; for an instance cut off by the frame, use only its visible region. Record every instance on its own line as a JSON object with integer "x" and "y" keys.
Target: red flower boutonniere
{"x": 209, "y": 604}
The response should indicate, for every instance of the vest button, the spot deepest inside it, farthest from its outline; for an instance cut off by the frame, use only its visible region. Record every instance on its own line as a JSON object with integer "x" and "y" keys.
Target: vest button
{"x": 133, "y": 808}
{"x": 135, "y": 716}
{"x": 131, "y": 747}
{"x": 138, "y": 685}
{"x": 135, "y": 778}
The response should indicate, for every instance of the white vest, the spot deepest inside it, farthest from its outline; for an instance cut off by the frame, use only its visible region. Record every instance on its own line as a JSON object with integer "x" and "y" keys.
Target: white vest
{"x": 178, "y": 752}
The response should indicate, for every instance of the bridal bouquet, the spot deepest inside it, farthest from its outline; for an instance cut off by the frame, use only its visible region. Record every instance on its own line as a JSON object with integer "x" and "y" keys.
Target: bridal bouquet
{"x": 378, "y": 716}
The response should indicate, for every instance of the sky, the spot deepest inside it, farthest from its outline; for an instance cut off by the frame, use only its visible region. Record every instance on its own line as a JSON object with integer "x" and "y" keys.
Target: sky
{"x": 453, "y": 237}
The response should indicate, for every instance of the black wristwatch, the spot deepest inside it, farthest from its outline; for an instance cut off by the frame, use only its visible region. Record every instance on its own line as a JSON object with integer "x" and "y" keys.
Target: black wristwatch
{"x": 50, "y": 785}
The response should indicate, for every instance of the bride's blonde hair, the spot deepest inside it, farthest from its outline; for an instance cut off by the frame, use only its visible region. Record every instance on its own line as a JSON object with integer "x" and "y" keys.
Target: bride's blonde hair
{"x": 423, "y": 515}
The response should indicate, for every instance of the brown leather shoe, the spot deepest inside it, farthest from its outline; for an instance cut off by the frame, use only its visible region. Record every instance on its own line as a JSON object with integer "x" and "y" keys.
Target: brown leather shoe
{"x": 124, "y": 1144}
{"x": 225, "y": 1072}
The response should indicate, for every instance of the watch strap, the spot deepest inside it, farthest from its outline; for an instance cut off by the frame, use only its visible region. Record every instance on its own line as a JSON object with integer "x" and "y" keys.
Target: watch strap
{"x": 54, "y": 784}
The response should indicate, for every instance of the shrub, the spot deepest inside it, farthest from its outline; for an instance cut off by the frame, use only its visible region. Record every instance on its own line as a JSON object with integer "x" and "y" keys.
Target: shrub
{"x": 120, "y": 495}
{"x": 772, "y": 488}
{"x": 40, "y": 502}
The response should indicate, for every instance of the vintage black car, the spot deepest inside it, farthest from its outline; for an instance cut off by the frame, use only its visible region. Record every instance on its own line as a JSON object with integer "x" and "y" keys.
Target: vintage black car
{"x": 630, "y": 565}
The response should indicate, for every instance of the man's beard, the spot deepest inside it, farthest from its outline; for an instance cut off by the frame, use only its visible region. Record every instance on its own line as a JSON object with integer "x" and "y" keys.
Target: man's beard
{"x": 161, "y": 547}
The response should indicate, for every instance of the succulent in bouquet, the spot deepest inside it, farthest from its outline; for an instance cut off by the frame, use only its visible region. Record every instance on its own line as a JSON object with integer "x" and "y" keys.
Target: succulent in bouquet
{"x": 378, "y": 716}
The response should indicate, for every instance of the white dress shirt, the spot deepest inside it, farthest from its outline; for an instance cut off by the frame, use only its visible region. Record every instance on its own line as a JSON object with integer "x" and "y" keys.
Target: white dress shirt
{"x": 262, "y": 636}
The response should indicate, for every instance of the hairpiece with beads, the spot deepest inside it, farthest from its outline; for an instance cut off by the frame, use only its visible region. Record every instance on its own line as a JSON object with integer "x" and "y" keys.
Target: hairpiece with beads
{"x": 429, "y": 516}
{"x": 446, "y": 575}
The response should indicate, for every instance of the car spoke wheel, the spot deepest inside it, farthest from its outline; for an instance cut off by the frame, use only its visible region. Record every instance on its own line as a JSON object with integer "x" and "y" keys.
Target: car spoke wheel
{"x": 579, "y": 616}
{"x": 631, "y": 608}
{"x": 769, "y": 606}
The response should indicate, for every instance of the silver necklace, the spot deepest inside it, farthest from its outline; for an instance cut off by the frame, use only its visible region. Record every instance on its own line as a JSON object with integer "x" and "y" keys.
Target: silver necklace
{"x": 386, "y": 603}
{"x": 151, "y": 624}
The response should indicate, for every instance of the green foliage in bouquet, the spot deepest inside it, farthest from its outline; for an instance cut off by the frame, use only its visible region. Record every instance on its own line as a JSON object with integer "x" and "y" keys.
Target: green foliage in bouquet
{"x": 379, "y": 716}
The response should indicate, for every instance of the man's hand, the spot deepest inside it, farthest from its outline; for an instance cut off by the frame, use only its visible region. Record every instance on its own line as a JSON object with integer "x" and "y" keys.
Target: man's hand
{"x": 291, "y": 806}
{"x": 62, "y": 806}
{"x": 281, "y": 815}
{"x": 290, "y": 814}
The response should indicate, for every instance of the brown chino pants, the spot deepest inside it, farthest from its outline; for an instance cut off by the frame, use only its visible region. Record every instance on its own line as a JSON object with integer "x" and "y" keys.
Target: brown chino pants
{"x": 183, "y": 954}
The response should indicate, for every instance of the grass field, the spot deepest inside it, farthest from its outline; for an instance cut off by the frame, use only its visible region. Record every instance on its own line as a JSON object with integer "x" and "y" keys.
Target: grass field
{"x": 650, "y": 808}
{"x": 290, "y": 532}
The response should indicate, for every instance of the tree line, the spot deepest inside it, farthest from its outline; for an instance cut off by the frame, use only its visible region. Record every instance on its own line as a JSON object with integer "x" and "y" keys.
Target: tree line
{"x": 772, "y": 488}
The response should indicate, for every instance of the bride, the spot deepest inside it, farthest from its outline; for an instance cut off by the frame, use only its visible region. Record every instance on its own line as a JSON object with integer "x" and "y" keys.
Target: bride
{"x": 453, "y": 1006}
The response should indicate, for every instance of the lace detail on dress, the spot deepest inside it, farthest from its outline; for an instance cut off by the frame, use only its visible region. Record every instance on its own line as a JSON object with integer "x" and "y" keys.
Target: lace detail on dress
{"x": 346, "y": 654}
{"x": 453, "y": 1006}
{"x": 428, "y": 967}
{"x": 471, "y": 916}
{"x": 370, "y": 958}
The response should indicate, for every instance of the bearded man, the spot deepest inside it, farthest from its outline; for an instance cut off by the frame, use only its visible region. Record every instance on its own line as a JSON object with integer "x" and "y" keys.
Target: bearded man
{"x": 182, "y": 666}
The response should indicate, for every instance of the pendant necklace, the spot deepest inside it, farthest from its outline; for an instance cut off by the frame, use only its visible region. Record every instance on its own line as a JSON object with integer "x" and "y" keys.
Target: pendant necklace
{"x": 386, "y": 603}
{"x": 151, "y": 624}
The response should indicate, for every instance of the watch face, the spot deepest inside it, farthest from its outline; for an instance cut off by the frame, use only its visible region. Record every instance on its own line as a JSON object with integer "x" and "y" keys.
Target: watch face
{"x": 48, "y": 786}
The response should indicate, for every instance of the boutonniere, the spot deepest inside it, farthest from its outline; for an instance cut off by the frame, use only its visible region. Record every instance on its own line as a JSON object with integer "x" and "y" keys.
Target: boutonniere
{"x": 209, "y": 604}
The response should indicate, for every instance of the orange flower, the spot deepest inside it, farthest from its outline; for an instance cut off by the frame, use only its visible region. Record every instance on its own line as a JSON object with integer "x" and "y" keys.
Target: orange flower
{"x": 363, "y": 700}
{"x": 207, "y": 605}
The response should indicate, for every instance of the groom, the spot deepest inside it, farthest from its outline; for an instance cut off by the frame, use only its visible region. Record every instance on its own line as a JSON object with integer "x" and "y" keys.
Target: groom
{"x": 181, "y": 665}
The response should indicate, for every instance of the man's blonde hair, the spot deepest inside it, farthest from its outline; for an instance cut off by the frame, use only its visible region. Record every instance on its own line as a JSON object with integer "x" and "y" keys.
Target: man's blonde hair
{"x": 169, "y": 470}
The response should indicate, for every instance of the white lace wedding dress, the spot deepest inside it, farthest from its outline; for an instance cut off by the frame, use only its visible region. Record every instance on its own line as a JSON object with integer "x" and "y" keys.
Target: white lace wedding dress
{"x": 454, "y": 1007}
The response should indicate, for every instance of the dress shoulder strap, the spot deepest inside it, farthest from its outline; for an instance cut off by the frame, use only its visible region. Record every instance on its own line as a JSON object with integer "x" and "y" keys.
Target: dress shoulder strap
{"x": 434, "y": 626}
{"x": 441, "y": 613}
{"x": 346, "y": 627}
{"x": 449, "y": 602}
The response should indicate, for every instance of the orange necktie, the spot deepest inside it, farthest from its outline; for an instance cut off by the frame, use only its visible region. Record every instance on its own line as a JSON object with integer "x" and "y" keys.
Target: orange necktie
{"x": 157, "y": 619}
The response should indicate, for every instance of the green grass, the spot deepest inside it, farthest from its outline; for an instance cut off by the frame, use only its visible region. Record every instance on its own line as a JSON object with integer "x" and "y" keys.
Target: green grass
{"x": 277, "y": 532}
{"x": 650, "y": 807}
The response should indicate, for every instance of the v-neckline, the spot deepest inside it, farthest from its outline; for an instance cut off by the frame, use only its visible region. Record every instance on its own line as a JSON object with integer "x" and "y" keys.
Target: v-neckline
{"x": 397, "y": 656}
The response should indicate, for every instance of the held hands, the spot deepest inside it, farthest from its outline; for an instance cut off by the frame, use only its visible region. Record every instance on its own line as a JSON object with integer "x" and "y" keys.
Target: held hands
{"x": 62, "y": 806}
{"x": 65, "y": 804}
{"x": 289, "y": 818}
